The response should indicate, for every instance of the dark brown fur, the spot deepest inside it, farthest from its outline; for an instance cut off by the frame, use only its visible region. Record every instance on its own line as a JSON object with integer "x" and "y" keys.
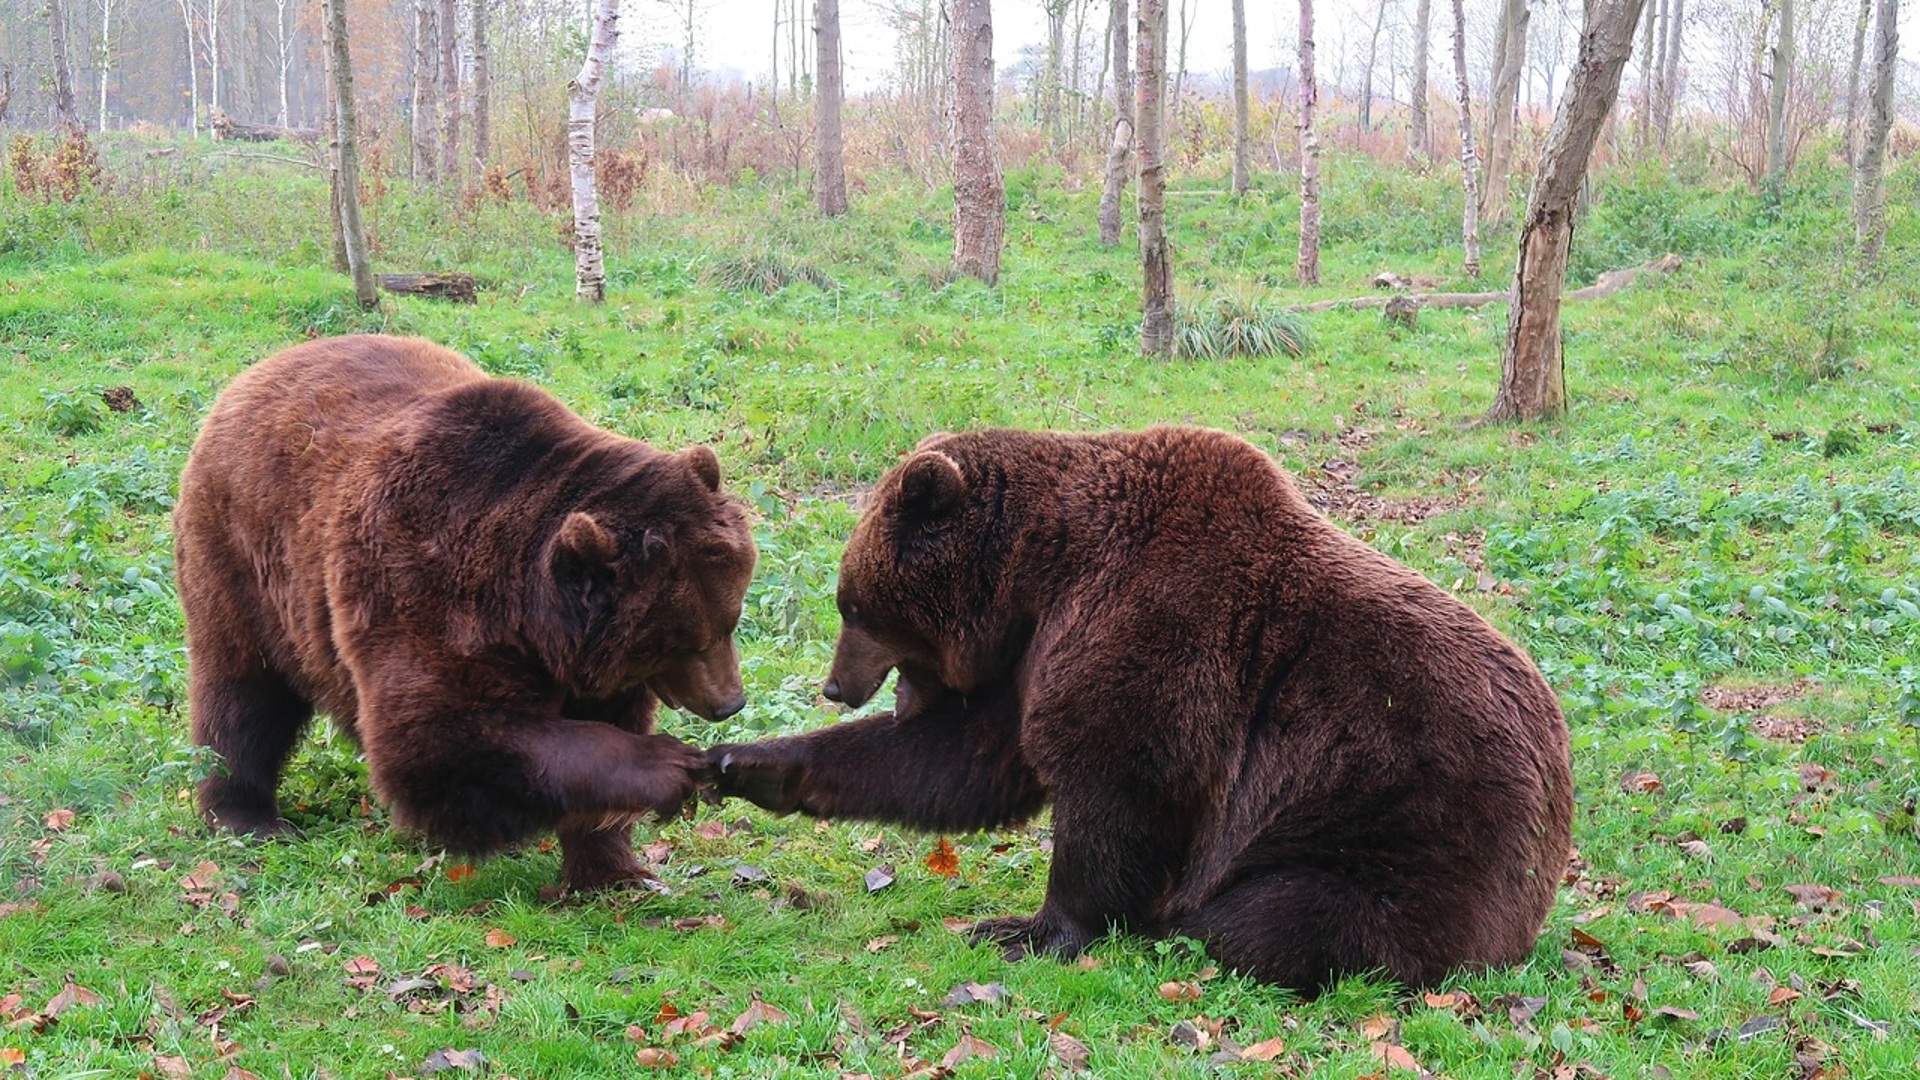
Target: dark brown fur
{"x": 490, "y": 594}
{"x": 1254, "y": 730}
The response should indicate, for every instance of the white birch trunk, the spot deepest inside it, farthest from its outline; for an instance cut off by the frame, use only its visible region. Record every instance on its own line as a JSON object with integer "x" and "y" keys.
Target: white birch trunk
{"x": 347, "y": 157}
{"x": 106, "y": 57}
{"x": 283, "y": 38}
{"x": 583, "y": 95}
{"x": 1241, "y": 142}
{"x": 1156, "y": 320}
{"x": 1417, "y": 142}
{"x": 1120, "y": 147}
{"x": 193, "y": 70}
{"x": 1853, "y": 80}
{"x": 1469, "y": 161}
{"x": 1777, "y": 100}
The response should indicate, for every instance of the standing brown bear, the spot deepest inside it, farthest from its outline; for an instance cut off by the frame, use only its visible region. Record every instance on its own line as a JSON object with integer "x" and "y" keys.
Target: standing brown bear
{"x": 489, "y": 593}
{"x": 1255, "y": 730}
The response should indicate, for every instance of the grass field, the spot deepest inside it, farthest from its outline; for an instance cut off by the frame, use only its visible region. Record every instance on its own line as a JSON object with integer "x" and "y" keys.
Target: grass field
{"x": 1713, "y": 558}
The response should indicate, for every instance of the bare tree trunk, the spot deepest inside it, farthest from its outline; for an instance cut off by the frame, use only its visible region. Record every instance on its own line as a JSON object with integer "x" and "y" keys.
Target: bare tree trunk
{"x": 829, "y": 169}
{"x": 1670, "y": 70}
{"x": 1150, "y": 109}
{"x": 1240, "y": 141}
{"x": 346, "y": 153}
{"x": 583, "y": 94}
{"x": 1306, "y": 265}
{"x": 1418, "y": 146}
{"x": 1777, "y": 100}
{"x": 193, "y": 70}
{"x": 1120, "y": 148}
{"x": 449, "y": 93}
{"x": 65, "y": 109}
{"x": 106, "y": 57}
{"x": 426, "y": 110}
{"x": 1853, "y": 80}
{"x": 1469, "y": 161}
{"x": 1663, "y": 21}
{"x": 1056, "y": 15}
{"x": 330, "y": 130}
{"x": 1366, "y": 74}
{"x": 1869, "y": 173}
{"x": 979, "y": 198}
{"x": 283, "y": 41}
{"x": 213, "y": 57}
{"x": 482, "y": 89}
{"x": 1510, "y": 61}
{"x": 1180, "y": 72}
{"x": 1532, "y": 375}
{"x": 1650, "y": 64}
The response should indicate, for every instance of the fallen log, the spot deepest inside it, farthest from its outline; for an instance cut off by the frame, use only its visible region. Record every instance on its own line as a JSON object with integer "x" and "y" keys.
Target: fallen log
{"x": 226, "y": 128}
{"x": 1608, "y": 283}
{"x": 456, "y": 287}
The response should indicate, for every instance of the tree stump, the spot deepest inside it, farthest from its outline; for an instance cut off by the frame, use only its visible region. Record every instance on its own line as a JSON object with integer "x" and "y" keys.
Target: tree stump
{"x": 1404, "y": 310}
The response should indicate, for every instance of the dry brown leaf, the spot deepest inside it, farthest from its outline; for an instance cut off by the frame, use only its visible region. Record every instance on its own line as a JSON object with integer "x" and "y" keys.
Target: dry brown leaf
{"x": 460, "y": 873}
{"x": 1780, "y": 995}
{"x": 237, "y": 1073}
{"x": 758, "y": 1012}
{"x": 1071, "y": 1051}
{"x": 957, "y": 924}
{"x": 882, "y": 943}
{"x": 1180, "y": 991}
{"x": 1380, "y": 1028}
{"x": 968, "y": 1047}
{"x": 943, "y": 860}
{"x": 1395, "y": 1057}
{"x": 1441, "y": 1001}
{"x": 1814, "y": 896}
{"x": 499, "y": 939}
{"x": 656, "y": 1057}
{"x": 11, "y": 1056}
{"x": 1265, "y": 1050}
{"x": 658, "y": 852}
{"x": 711, "y": 830}
{"x": 70, "y": 995}
{"x": 59, "y": 820}
{"x": 1675, "y": 1012}
{"x": 1640, "y": 782}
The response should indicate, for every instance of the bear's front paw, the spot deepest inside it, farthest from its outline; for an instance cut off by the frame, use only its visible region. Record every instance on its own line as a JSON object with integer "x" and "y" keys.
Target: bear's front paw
{"x": 1022, "y": 936}
{"x": 670, "y": 771}
{"x": 757, "y": 772}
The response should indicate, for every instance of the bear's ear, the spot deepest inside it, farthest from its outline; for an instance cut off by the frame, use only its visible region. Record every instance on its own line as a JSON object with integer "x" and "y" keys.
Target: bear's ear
{"x": 583, "y": 541}
{"x": 705, "y": 465}
{"x": 930, "y": 486}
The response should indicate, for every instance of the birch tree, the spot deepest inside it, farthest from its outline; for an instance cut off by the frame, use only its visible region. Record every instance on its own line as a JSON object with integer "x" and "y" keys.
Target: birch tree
{"x": 426, "y": 86}
{"x": 65, "y": 109}
{"x": 1853, "y": 79}
{"x": 1869, "y": 173}
{"x": 1120, "y": 146}
{"x": 481, "y": 104}
{"x": 1777, "y": 99}
{"x": 979, "y": 196}
{"x": 829, "y": 168}
{"x": 1417, "y": 142}
{"x": 1469, "y": 161}
{"x": 583, "y": 95}
{"x": 346, "y": 155}
{"x": 283, "y": 43}
{"x": 1670, "y": 69}
{"x": 1532, "y": 369}
{"x": 1156, "y": 314}
{"x": 193, "y": 69}
{"x": 106, "y": 57}
{"x": 1306, "y": 266}
{"x": 449, "y": 126}
{"x": 1240, "y": 141}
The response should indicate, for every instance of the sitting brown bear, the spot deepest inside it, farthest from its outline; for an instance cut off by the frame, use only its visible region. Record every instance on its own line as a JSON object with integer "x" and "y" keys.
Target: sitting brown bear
{"x": 1254, "y": 730}
{"x": 490, "y": 594}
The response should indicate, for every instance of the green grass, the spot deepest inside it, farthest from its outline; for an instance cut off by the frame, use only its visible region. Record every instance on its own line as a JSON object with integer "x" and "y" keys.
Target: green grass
{"x": 1731, "y": 507}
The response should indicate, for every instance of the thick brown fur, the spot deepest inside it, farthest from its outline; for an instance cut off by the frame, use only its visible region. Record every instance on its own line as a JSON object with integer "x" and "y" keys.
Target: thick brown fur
{"x": 1254, "y": 730}
{"x": 490, "y": 594}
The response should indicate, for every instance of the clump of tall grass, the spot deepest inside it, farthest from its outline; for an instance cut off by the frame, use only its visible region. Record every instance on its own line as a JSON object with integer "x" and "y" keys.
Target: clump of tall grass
{"x": 766, "y": 273}
{"x": 1234, "y": 326}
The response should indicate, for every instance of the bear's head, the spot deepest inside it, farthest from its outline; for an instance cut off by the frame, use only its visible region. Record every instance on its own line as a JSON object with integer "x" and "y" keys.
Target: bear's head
{"x": 644, "y": 584}
{"x": 926, "y": 583}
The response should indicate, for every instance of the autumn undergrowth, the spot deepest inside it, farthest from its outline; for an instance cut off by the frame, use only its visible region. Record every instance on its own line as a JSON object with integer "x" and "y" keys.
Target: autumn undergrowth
{"x": 1713, "y": 558}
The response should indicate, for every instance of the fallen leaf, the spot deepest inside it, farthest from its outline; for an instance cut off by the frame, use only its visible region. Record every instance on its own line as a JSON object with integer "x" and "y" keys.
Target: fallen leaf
{"x": 698, "y": 922}
{"x": 757, "y": 1012}
{"x": 942, "y": 860}
{"x": 1814, "y": 776}
{"x": 1191, "y": 1035}
{"x": 1903, "y": 880}
{"x": 1520, "y": 1010}
{"x": 748, "y": 874}
{"x": 658, "y": 852}
{"x": 957, "y": 924}
{"x": 460, "y": 873}
{"x": 235, "y": 1072}
{"x": 204, "y": 878}
{"x": 711, "y": 830}
{"x": 70, "y": 995}
{"x": 10, "y": 1056}
{"x": 879, "y": 877}
{"x": 1780, "y": 995}
{"x": 1380, "y": 1028}
{"x": 499, "y": 939}
{"x": 882, "y": 943}
{"x": 1266, "y": 1050}
{"x": 1640, "y": 782}
{"x": 59, "y": 820}
{"x": 1675, "y": 1012}
{"x": 441, "y": 1060}
{"x": 1072, "y": 1053}
{"x": 968, "y": 1047}
{"x": 968, "y": 993}
{"x": 656, "y": 1057}
{"x": 1816, "y": 897}
{"x": 1703, "y": 970}
{"x": 1180, "y": 991}
{"x": 1395, "y": 1057}
{"x": 1707, "y": 916}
